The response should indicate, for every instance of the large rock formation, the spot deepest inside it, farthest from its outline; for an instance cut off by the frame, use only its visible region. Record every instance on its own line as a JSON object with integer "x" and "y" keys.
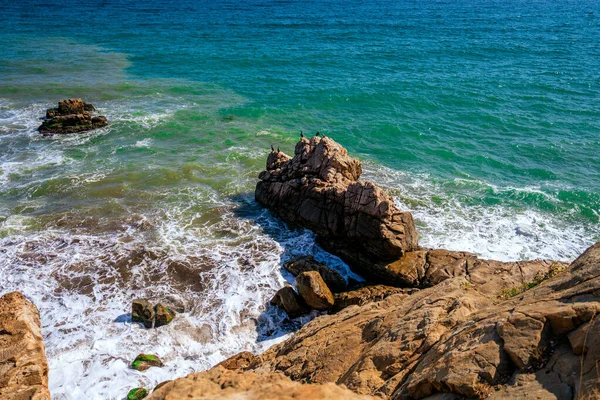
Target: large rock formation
{"x": 319, "y": 188}
{"x": 71, "y": 116}
{"x": 221, "y": 383}
{"x": 505, "y": 330}
{"x": 23, "y": 365}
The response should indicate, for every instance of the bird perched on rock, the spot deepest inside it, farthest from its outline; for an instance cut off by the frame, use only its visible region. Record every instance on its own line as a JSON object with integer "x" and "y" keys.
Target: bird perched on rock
{"x": 301, "y": 135}
{"x": 317, "y": 135}
{"x": 279, "y": 151}
{"x": 272, "y": 148}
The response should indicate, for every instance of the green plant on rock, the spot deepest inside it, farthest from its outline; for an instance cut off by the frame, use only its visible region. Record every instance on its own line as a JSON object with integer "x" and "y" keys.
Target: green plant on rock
{"x": 554, "y": 270}
{"x": 137, "y": 394}
{"x": 144, "y": 361}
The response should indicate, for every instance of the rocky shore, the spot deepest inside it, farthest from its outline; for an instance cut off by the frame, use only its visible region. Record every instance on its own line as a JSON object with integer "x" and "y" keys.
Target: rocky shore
{"x": 71, "y": 116}
{"x": 429, "y": 323}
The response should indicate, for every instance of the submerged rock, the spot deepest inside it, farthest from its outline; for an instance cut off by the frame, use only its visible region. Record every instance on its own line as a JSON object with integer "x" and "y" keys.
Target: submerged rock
{"x": 142, "y": 311}
{"x": 319, "y": 188}
{"x": 71, "y": 116}
{"x": 289, "y": 301}
{"x": 144, "y": 361}
{"x": 162, "y": 315}
{"x": 23, "y": 364}
{"x": 137, "y": 394}
{"x": 332, "y": 278}
{"x": 314, "y": 291}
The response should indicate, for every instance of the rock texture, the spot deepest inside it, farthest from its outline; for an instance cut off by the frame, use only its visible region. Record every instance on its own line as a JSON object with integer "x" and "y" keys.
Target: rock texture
{"x": 221, "y": 383}
{"x": 71, "y": 116}
{"x": 332, "y": 278}
{"x": 289, "y": 301}
{"x": 314, "y": 291}
{"x": 23, "y": 365}
{"x": 366, "y": 294}
{"x": 319, "y": 188}
{"x": 461, "y": 338}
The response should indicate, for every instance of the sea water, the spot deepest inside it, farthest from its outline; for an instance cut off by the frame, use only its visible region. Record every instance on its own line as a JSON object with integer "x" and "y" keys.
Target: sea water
{"x": 480, "y": 117}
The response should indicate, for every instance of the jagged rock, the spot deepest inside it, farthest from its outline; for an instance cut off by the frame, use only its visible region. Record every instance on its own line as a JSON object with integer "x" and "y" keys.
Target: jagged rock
{"x": 144, "y": 361}
{"x": 163, "y": 383}
{"x": 332, "y": 278}
{"x": 71, "y": 116}
{"x": 137, "y": 394}
{"x": 142, "y": 311}
{"x": 162, "y": 315}
{"x": 289, "y": 301}
{"x": 23, "y": 364}
{"x": 221, "y": 383}
{"x": 240, "y": 361}
{"x": 366, "y": 295}
{"x": 462, "y": 337}
{"x": 319, "y": 189}
{"x": 314, "y": 291}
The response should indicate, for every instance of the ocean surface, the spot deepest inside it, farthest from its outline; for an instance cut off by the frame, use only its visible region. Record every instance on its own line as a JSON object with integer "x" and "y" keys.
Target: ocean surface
{"x": 480, "y": 117}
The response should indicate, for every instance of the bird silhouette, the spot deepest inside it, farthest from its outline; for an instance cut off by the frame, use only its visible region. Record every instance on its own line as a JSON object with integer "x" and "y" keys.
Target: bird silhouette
{"x": 279, "y": 151}
{"x": 301, "y": 134}
{"x": 317, "y": 135}
{"x": 272, "y": 148}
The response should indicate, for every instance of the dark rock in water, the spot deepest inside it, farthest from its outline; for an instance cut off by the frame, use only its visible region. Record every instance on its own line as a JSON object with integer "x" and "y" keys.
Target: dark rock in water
{"x": 144, "y": 361}
{"x": 142, "y": 311}
{"x": 332, "y": 278}
{"x": 289, "y": 301}
{"x": 240, "y": 361}
{"x": 71, "y": 116}
{"x": 314, "y": 291}
{"x": 319, "y": 188}
{"x": 137, "y": 394}
{"x": 162, "y": 315}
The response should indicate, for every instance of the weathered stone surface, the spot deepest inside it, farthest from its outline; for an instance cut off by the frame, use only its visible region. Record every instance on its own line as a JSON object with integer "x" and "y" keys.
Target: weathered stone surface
{"x": 319, "y": 189}
{"x": 145, "y": 361}
{"x": 163, "y": 315}
{"x": 220, "y": 383}
{"x": 23, "y": 364}
{"x": 462, "y": 336}
{"x": 71, "y": 116}
{"x": 142, "y": 311}
{"x": 289, "y": 301}
{"x": 366, "y": 295}
{"x": 240, "y": 361}
{"x": 137, "y": 394}
{"x": 332, "y": 278}
{"x": 314, "y": 291}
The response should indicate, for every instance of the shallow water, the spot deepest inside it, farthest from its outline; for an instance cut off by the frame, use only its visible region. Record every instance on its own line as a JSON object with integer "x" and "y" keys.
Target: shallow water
{"x": 479, "y": 117}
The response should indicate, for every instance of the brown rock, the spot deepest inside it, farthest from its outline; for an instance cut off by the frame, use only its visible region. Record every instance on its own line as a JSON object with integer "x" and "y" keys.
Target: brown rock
{"x": 142, "y": 311}
{"x": 319, "y": 189}
{"x": 462, "y": 336}
{"x": 332, "y": 278}
{"x": 366, "y": 295}
{"x": 289, "y": 301}
{"x": 314, "y": 291}
{"x": 71, "y": 116}
{"x": 23, "y": 364}
{"x": 220, "y": 383}
{"x": 163, "y": 315}
{"x": 240, "y": 361}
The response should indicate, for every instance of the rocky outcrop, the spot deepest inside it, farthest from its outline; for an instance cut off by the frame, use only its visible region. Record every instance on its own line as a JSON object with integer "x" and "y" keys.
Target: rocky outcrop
{"x": 151, "y": 316}
{"x": 146, "y": 361}
{"x": 467, "y": 336}
{"x": 366, "y": 294}
{"x": 71, "y": 116}
{"x": 289, "y": 301}
{"x": 319, "y": 188}
{"x": 221, "y": 383}
{"x": 23, "y": 365}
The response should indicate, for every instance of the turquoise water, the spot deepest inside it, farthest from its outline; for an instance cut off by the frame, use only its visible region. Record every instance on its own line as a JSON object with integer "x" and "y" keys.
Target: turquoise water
{"x": 481, "y": 118}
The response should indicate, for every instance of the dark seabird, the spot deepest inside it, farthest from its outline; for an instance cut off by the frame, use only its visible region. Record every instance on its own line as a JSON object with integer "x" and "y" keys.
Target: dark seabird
{"x": 317, "y": 135}
{"x": 272, "y": 148}
{"x": 279, "y": 151}
{"x": 301, "y": 134}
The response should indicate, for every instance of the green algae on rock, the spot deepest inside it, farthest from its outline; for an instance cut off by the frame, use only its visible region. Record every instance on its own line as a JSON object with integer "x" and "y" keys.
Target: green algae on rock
{"x": 137, "y": 394}
{"x": 162, "y": 315}
{"x": 144, "y": 361}
{"x": 142, "y": 311}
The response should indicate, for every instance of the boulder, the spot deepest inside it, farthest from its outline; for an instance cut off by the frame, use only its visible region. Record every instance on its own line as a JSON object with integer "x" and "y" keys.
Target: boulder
{"x": 142, "y": 311}
{"x": 144, "y": 361}
{"x": 332, "y": 278}
{"x": 314, "y": 291}
{"x": 137, "y": 394}
{"x": 240, "y": 361}
{"x": 163, "y": 315}
{"x": 23, "y": 364}
{"x": 463, "y": 337}
{"x": 71, "y": 116}
{"x": 319, "y": 188}
{"x": 289, "y": 301}
{"x": 221, "y": 383}
{"x": 366, "y": 294}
